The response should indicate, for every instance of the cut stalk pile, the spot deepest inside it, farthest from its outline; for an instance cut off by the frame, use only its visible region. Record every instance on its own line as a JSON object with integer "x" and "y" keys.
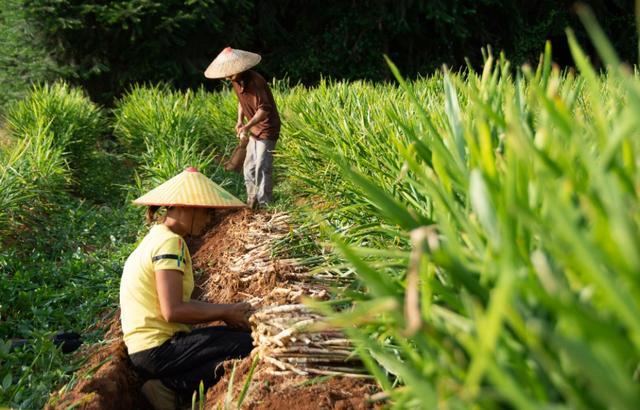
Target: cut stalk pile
{"x": 261, "y": 278}
{"x": 289, "y": 337}
{"x": 295, "y": 340}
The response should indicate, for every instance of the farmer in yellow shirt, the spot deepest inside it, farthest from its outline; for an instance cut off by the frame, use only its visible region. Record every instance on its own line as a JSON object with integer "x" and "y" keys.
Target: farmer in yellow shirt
{"x": 155, "y": 297}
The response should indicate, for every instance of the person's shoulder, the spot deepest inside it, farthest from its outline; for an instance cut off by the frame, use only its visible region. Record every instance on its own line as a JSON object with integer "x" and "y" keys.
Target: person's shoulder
{"x": 162, "y": 233}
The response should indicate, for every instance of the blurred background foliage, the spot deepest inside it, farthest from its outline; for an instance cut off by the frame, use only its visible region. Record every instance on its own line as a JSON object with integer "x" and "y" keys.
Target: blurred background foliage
{"x": 23, "y": 57}
{"x": 106, "y": 46}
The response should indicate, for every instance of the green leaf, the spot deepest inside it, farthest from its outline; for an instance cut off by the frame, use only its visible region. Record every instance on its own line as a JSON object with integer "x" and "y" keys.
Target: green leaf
{"x": 391, "y": 208}
{"x": 489, "y": 328}
{"x": 6, "y": 381}
{"x": 379, "y": 284}
{"x": 247, "y": 382}
{"x": 452, "y": 109}
{"x": 546, "y": 64}
{"x": 483, "y": 206}
{"x": 228, "y": 399}
{"x": 394, "y": 365}
{"x": 598, "y": 36}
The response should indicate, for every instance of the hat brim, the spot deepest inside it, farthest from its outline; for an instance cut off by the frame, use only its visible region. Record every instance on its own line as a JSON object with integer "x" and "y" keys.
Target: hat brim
{"x": 222, "y": 69}
{"x": 190, "y": 205}
{"x": 190, "y": 189}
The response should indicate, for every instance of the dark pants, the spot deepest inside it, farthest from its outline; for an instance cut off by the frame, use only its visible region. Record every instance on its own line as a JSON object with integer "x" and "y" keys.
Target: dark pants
{"x": 187, "y": 358}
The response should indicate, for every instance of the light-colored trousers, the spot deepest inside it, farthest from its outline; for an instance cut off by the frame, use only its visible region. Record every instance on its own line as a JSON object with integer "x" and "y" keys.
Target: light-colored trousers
{"x": 258, "y": 170}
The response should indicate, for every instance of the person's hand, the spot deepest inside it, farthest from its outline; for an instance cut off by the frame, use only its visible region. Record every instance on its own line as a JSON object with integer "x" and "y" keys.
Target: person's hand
{"x": 239, "y": 127}
{"x": 245, "y": 129}
{"x": 238, "y": 316}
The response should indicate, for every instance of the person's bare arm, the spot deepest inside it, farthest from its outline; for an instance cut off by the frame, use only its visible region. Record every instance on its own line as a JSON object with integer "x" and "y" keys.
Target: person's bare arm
{"x": 257, "y": 117}
{"x": 239, "y": 122}
{"x": 169, "y": 287}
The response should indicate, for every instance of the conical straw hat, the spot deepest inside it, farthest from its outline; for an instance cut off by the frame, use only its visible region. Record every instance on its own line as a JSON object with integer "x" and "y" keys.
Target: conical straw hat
{"x": 231, "y": 61}
{"x": 190, "y": 188}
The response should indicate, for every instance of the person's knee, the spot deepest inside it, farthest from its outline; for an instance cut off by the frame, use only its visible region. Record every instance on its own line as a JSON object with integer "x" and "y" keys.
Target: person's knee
{"x": 245, "y": 343}
{"x": 263, "y": 168}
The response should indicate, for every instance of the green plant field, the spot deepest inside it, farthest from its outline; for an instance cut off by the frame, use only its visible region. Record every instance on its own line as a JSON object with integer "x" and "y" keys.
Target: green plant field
{"x": 64, "y": 236}
{"x": 63, "y": 276}
{"x": 165, "y": 131}
{"x": 492, "y": 221}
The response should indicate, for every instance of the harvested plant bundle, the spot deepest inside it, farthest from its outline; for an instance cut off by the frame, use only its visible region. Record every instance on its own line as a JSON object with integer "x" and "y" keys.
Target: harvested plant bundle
{"x": 295, "y": 340}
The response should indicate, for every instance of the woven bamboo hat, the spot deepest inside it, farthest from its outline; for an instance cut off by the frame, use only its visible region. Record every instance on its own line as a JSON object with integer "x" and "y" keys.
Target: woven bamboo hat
{"x": 190, "y": 188}
{"x": 231, "y": 61}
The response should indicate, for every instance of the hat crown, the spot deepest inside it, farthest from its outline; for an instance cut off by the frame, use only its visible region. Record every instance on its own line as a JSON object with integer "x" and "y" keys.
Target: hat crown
{"x": 190, "y": 188}
{"x": 231, "y": 61}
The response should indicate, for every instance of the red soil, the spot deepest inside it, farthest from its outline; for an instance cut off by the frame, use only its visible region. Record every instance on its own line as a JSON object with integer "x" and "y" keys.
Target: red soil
{"x": 274, "y": 392}
{"x": 105, "y": 382}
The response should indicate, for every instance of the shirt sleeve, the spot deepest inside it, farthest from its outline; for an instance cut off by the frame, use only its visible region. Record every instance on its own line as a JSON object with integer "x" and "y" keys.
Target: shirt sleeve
{"x": 170, "y": 255}
{"x": 262, "y": 96}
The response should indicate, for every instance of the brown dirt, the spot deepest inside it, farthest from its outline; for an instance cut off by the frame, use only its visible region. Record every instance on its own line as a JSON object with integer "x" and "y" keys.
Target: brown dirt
{"x": 106, "y": 381}
{"x": 273, "y": 392}
{"x": 232, "y": 238}
{"x": 219, "y": 245}
{"x": 108, "y": 374}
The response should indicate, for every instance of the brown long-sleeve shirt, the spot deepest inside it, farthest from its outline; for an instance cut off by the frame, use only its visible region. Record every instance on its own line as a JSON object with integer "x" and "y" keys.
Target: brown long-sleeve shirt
{"x": 253, "y": 93}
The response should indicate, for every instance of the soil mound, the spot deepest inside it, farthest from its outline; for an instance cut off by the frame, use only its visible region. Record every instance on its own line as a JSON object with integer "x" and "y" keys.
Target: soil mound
{"x": 273, "y": 392}
{"x": 233, "y": 262}
{"x": 237, "y": 264}
{"x": 106, "y": 381}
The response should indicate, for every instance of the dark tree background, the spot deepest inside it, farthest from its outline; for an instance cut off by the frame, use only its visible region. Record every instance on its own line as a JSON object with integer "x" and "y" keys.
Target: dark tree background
{"x": 108, "y": 45}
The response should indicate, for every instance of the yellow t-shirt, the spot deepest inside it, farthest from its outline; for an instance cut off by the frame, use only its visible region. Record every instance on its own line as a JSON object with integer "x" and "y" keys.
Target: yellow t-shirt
{"x": 143, "y": 325}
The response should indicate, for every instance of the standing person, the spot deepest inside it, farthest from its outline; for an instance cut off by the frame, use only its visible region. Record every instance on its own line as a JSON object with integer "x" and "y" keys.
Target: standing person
{"x": 257, "y": 106}
{"x": 155, "y": 297}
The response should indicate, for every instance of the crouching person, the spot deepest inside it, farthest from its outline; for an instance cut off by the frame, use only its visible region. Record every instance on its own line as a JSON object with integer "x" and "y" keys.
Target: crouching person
{"x": 155, "y": 297}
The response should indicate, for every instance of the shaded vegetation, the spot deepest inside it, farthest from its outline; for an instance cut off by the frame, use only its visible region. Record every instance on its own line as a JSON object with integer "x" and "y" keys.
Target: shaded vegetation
{"x": 24, "y": 57}
{"x": 108, "y": 46}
